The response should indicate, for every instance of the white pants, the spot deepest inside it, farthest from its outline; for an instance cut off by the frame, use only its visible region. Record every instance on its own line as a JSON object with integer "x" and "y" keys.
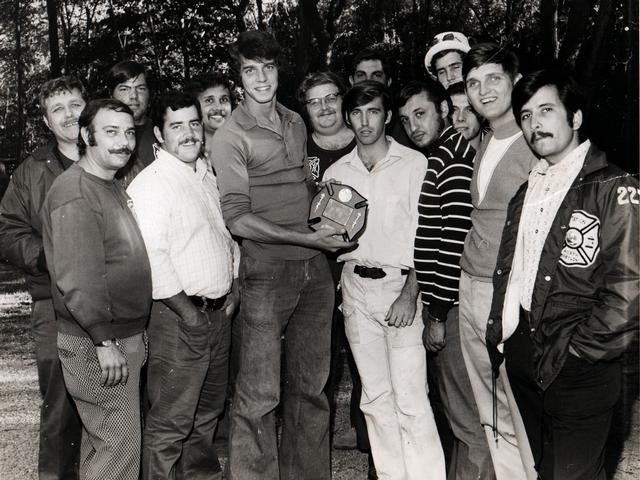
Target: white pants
{"x": 392, "y": 364}
{"x": 510, "y": 452}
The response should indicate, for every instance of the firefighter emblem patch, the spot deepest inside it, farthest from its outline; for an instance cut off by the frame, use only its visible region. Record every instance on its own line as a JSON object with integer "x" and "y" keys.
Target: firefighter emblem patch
{"x": 582, "y": 240}
{"x": 314, "y": 166}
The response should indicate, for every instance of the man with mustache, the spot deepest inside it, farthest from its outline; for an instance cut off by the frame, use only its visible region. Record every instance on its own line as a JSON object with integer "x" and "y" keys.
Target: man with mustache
{"x": 265, "y": 187}
{"x": 61, "y": 101}
{"x": 443, "y": 222}
{"x": 101, "y": 287}
{"x": 214, "y": 93}
{"x": 194, "y": 265}
{"x": 565, "y": 302}
{"x": 127, "y": 81}
{"x": 501, "y": 165}
{"x": 380, "y": 293}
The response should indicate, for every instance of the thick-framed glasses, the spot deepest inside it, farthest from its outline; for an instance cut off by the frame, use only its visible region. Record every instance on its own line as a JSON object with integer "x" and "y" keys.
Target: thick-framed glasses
{"x": 316, "y": 103}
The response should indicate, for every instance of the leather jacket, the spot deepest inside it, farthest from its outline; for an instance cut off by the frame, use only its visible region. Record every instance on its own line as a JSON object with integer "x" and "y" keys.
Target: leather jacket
{"x": 586, "y": 288}
{"x": 20, "y": 223}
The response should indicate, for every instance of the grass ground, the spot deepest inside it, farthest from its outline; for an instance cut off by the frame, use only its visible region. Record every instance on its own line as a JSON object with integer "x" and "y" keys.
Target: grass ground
{"x": 19, "y": 401}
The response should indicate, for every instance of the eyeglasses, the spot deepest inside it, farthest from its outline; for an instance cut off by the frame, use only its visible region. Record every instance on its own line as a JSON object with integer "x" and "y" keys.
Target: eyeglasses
{"x": 316, "y": 103}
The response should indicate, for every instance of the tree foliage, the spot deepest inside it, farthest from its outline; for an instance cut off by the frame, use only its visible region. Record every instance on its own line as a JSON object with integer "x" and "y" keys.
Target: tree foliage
{"x": 597, "y": 39}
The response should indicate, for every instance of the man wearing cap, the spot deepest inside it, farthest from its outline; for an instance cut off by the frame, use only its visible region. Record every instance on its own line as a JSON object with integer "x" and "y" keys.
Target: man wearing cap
{"x": 443, "y": 60}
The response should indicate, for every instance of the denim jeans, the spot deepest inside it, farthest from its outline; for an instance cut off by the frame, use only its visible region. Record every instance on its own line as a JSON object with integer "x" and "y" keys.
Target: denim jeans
{"x": 60, "y": 427}
{"x": 293, "y": 298}
{"x": 187, "y": 386}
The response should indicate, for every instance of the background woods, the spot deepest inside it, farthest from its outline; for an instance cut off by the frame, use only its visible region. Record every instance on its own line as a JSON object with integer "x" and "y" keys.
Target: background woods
{"x": 39, "y": 39}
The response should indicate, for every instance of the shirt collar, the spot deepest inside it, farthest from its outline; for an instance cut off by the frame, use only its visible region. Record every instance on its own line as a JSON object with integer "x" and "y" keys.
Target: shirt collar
{"x": 247, "y": 121}
{"x": 572, "y": 159}
{"x": 393, "y": 153}
{"x": 171, "y": 161}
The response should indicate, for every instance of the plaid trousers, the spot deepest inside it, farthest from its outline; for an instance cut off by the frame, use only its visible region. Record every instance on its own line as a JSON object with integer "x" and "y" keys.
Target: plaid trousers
{"x": 111, "y": 428}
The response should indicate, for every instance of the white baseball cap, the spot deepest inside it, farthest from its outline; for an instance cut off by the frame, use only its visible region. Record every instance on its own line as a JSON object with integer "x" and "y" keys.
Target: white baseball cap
{"x": 445, "y": 41}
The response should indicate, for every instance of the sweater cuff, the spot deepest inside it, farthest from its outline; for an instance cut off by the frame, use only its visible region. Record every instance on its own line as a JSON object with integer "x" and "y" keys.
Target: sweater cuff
{"x": 439, "y": 308}
{"x": 100, "y": 332}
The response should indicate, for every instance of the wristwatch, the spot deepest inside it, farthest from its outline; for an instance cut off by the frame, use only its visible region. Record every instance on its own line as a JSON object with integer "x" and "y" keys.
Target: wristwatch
{"x": 435, "y": 319}
{"x": 107, "y": 343}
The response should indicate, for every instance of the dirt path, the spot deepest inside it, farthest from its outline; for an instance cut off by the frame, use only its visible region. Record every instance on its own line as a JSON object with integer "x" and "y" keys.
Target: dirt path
{"x": 19, "y": 401}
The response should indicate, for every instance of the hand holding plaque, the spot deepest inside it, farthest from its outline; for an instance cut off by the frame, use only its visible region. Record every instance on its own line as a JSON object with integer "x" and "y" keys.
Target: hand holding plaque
{"x": 339, "y": 206}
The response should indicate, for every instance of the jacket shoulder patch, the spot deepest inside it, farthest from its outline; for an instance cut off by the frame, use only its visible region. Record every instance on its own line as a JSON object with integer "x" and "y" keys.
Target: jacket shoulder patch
{"x": 582, "y": 240}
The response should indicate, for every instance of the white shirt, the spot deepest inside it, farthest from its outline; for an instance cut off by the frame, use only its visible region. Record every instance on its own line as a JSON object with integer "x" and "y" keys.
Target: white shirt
{"x": 548, "y": 185}
{"x": 392, "y": 189}
{"x": 496, "y": 148}
{"x": 547, "y": 189}
{"x": 178, "y": 212}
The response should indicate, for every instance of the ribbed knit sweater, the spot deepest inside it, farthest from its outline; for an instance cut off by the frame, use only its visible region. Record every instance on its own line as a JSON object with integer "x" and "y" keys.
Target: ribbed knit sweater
{"x": 444, "y": 208}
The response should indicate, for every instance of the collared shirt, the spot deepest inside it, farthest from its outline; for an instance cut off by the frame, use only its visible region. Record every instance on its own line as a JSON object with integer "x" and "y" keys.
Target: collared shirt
{"x": 262, "y": 170}
{"x": 178, "y": 210}
{"x": 548, "y": 185}
{"x": 391, "y": 188}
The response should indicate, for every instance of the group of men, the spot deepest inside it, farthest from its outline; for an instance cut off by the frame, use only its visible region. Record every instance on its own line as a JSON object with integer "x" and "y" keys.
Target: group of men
{"x": 497, "y": 238}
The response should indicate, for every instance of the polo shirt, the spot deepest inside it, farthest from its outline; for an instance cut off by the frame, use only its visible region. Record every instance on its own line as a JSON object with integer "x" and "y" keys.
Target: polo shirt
{"x": 262, "y": 170}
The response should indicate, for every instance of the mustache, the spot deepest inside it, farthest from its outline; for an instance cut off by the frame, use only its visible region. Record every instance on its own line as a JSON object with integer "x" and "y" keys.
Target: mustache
{"x": 189, "y": 139}
{"x": 118, "y": 151}
{"x": 538, "y": 135}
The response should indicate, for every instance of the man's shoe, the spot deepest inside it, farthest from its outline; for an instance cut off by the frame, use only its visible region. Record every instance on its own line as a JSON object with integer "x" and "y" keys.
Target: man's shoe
{"x": 372, "y": 474}
{"x": 345, "y": 440}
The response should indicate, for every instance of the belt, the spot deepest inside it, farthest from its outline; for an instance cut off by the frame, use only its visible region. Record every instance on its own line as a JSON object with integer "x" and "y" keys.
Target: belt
{"x": 205, "y": 304}
{"x": 374, "y": 272}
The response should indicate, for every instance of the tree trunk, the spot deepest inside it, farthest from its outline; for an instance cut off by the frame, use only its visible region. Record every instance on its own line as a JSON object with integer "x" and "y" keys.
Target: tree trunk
{"x": 577, "y": 22}
{"x": 54, "y": 47}
{"x": 549, "y": 29}
{"x": 19, "y": 81}
{"x": 592, "y": 54}
{"x": 260, "y": 14}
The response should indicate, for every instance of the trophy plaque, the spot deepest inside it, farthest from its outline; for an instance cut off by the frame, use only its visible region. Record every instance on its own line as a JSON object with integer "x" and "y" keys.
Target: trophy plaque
{"x": 339, "y": 206}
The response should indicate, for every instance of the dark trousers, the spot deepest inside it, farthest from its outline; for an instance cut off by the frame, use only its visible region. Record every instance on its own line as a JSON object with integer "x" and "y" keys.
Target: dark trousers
{"x": 567, "y": 424}
{"x": 60, "y": 426}
{"x": 187, "y": 387}
{"x": 294, "y": 298}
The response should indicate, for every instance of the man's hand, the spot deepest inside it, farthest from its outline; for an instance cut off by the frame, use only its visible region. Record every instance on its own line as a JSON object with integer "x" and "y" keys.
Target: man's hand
{"x": 434, "y": 333}
{"x": 113, "y": 364}
{"x": 328, "y": 183}
{"x": 233, "y": 299}
{"x": 195, "y": 318}
{"x": 402, "y": 311}
{"x": 329, "y": 239}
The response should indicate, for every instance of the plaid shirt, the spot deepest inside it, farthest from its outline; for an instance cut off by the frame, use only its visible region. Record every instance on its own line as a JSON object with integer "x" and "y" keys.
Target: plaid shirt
{"x": 178, "y": 211}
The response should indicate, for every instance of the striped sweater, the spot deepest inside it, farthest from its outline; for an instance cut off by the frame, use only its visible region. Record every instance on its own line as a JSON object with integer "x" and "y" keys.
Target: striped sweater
{"x": 444, "y": 209}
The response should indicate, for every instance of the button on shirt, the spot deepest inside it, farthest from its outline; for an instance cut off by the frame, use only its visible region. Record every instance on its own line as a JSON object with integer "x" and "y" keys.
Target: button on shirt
{"x": 392, "y": 188}
{"x": 548, "y": 186}
{"x": 178, "y": 211}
